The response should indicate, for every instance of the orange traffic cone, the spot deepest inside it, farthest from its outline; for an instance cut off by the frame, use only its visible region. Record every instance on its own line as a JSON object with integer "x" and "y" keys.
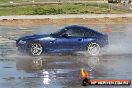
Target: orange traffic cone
{"x": 107, "y": 28}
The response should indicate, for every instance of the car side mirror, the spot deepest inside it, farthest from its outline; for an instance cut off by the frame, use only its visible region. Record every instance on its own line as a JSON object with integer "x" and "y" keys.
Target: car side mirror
{"x": 65, "y": 35}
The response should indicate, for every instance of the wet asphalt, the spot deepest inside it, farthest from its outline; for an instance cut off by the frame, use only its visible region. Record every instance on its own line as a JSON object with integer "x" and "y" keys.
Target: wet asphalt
{"x": 63, "y": 71}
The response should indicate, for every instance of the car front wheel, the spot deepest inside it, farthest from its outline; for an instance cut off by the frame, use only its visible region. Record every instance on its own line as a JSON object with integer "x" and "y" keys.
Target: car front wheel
{"x": 93, "y": 48}
{"x": 35, "y": 48}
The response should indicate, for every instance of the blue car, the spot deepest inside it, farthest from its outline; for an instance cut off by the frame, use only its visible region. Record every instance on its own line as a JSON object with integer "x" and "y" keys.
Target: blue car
{"x": 67, "y": 40}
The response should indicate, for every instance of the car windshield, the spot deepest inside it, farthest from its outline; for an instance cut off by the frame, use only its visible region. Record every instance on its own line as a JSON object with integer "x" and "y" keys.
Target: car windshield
{"x": 58, "y": 32}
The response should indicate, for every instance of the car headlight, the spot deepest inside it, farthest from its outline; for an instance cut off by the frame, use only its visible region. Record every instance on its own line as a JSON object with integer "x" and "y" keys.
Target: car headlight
{"x": 22, "y": 42}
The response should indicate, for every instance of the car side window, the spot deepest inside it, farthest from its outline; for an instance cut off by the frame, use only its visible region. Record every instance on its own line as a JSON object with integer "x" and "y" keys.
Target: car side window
{"x": 75, "y": 33}
{"x": 88, "y": 34}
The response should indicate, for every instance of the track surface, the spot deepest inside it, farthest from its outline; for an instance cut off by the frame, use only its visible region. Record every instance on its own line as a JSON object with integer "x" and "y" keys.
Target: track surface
{"x": 65, "y": 16}
{"x": 63, "y": 71}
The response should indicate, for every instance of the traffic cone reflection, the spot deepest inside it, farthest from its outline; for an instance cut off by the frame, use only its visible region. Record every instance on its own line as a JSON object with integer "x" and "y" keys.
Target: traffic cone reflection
{"x": 107, "y": 28}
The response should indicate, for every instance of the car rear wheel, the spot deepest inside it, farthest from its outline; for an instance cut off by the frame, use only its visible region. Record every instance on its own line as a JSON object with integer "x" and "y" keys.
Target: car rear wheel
{"x": 93, "y": 48}
{"x": 35, "y": 48}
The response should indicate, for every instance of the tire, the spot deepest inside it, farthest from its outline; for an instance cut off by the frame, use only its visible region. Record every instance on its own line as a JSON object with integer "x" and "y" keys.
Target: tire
{"x": 35, "y": 49}
{"x": 93, "y": 48}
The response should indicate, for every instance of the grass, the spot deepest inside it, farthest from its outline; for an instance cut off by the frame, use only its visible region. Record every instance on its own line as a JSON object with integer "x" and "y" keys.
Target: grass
{"x": 65, "y": 8}
{"x": 29, "y": 1}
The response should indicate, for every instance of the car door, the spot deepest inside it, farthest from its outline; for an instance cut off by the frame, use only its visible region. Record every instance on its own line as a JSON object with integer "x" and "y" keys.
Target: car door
{"x": 75, "y": 38}
{"x": 73, "y": 41}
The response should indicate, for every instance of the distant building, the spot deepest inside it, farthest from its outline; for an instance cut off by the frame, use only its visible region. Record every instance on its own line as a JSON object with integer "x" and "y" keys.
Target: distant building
{"x": 120, "y": 1}
{"x": 114, "y": 1}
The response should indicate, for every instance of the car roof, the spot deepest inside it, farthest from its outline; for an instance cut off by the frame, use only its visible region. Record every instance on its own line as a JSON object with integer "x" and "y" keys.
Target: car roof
{"x": 83, "y": 27}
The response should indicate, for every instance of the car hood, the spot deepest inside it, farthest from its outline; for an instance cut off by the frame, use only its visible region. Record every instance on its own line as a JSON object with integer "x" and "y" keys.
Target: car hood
{"x": 35, "y": 36}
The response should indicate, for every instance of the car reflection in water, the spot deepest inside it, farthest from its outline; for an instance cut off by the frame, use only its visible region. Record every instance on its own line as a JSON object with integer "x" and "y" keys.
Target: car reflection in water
{"x": 34, "y": 65}
{"x": 57, "y": 68}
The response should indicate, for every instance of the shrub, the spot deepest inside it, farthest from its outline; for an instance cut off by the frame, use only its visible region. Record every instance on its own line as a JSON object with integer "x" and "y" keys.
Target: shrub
{"x": 43, "y": 11}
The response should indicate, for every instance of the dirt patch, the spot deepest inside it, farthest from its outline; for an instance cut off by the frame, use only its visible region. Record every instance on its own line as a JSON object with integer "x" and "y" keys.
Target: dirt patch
{"x": 65, "y": 21}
